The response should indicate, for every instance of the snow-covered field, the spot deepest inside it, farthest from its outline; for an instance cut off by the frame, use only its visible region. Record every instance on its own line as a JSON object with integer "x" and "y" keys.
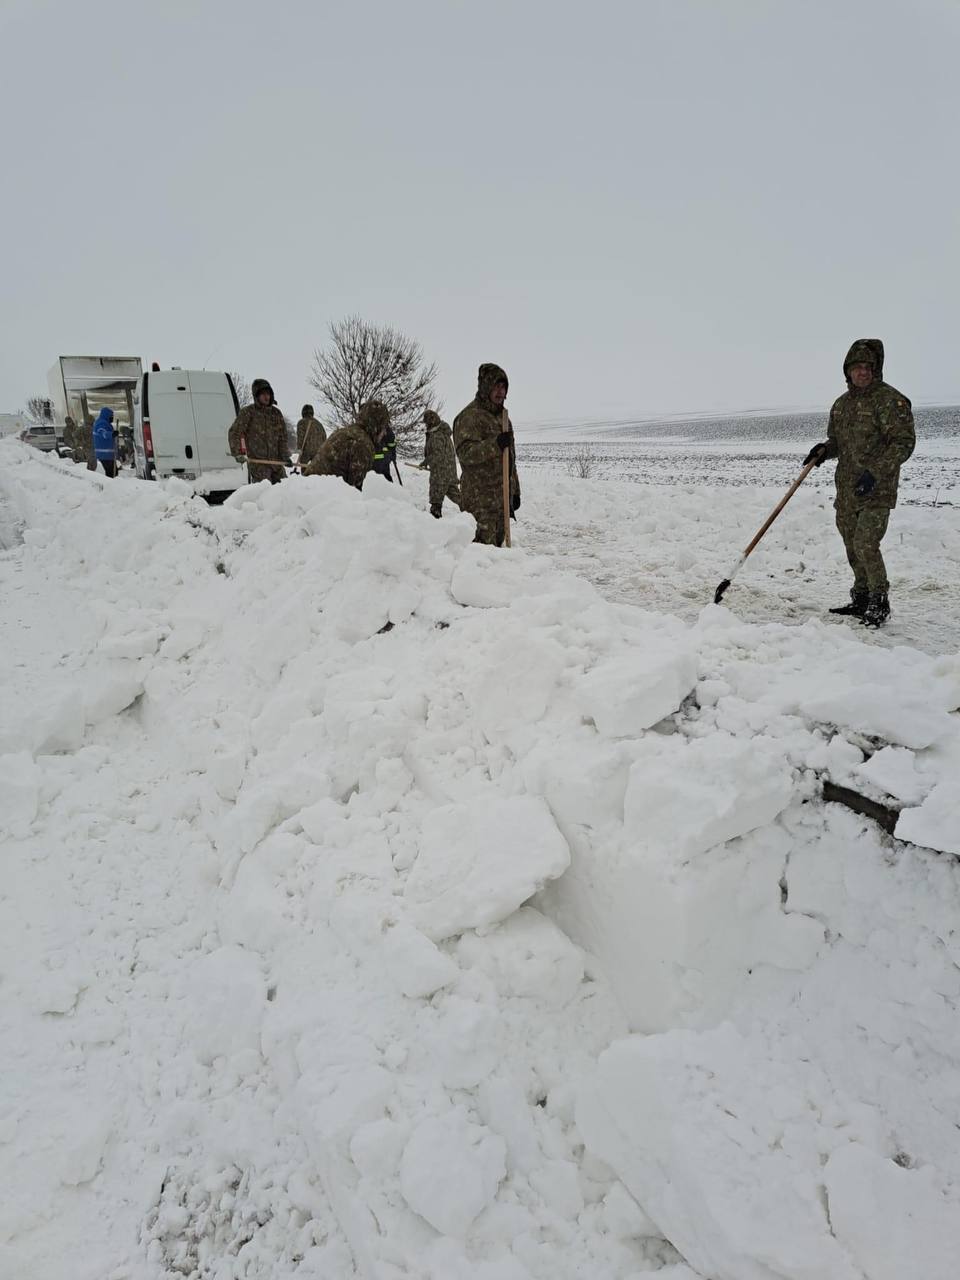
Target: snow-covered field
{"x": 375, "y": 904}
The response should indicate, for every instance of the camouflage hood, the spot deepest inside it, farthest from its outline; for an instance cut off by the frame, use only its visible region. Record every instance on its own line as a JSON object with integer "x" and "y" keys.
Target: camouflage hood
{"x": 865, "y": 351}
{"x": 433, "y": 422}
{"x": 307, "y": 411}
{"x": 487, "y": 378}
{"x": 261, "y": 384}
{"x": 374, "y": 417}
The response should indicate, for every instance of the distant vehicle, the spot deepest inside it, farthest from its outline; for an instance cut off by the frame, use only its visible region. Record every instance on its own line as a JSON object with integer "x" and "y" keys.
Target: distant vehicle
{"x": 83, "y": 385}
{"x": 41, "y": 436}
{"x": 180, "y": 424}
{"x": 12, "y": 424}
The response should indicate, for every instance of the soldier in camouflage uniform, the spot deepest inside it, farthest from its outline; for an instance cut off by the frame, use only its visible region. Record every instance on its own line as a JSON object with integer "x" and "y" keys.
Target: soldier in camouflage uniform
{"x": 259, "y": 431}
{"x": 72, "y": 440}
{"x": 441, "y": 461}
{"x": 349, "y": 452}
{"x": 481, "y": 433}
{"x": 871, "y": 435}
{"x": 310, "y": 435}
{"x": 85, "y": 432}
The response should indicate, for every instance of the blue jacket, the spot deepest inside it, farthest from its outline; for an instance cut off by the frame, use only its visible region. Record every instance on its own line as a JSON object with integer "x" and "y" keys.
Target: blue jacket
{"x": 103, "y": 436}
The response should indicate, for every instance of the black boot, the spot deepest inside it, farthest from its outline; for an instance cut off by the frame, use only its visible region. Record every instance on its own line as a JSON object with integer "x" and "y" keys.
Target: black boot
{"x": 436, "y": 512}
{"x": 877, "y": 610}
{"x": 857, "y": 606}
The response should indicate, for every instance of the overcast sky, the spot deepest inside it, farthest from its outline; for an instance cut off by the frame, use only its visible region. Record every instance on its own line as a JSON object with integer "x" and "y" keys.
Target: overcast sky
{"x": 636, "y": 206}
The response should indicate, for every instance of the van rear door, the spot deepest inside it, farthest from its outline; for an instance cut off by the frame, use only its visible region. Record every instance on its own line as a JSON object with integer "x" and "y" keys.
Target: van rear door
{"x": 214, "y": 409}
{"x": 172, "y": 423}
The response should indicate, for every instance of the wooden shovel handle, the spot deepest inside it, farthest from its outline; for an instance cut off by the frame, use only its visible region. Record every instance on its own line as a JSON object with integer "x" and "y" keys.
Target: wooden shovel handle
{"x": 779, "y": 507}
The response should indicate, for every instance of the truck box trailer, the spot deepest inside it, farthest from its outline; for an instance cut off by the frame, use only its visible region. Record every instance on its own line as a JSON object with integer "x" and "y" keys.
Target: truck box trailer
{"x": 83, "y": 385}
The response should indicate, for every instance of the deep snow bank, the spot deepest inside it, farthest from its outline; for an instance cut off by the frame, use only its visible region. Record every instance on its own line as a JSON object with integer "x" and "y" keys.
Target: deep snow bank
{"x": 278, "y": 780}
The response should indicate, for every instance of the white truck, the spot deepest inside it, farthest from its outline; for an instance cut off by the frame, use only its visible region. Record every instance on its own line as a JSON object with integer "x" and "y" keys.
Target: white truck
{"x": 83, "y": 385}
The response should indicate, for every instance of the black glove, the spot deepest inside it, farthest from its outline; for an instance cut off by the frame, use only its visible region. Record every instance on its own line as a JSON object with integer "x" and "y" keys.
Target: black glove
{"x": 866, "y": 484}
{"x": 503, "y": 440}
{"x": 817, "y": 454}
{"x": 288, "y": 462}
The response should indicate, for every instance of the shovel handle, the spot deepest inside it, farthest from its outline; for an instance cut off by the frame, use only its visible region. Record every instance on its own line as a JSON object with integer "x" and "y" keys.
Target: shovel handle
{"x": 778, "y": 508}
{"x": 506, "y": 496}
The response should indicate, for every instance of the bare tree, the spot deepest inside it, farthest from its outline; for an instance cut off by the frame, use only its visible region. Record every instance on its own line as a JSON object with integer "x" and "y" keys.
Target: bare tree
{"x": 374, "y": 362}
{"x": 242, "y": 388}
{"x": 583, "y": 464}
{"x": 39, "y": 409}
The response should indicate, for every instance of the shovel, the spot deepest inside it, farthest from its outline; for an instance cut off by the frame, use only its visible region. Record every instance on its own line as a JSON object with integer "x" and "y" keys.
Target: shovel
{"x": 718, "y": 594}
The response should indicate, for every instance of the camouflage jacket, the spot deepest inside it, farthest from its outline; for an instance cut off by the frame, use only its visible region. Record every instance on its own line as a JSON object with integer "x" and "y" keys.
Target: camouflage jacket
{"x": 475, "y": 431}
{"x": 439, "y": 457}
{"x": 310, "y": 436}
{"x": 348, "y": 453}
{"x": 870, "y": 430}
{"x": 262, "y": 430}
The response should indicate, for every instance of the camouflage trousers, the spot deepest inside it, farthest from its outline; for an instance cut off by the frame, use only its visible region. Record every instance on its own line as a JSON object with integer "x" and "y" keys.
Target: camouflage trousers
{"x": 862, "y": 530}
{"x": 489, "y": 528}
{"x": 437, "y": 495}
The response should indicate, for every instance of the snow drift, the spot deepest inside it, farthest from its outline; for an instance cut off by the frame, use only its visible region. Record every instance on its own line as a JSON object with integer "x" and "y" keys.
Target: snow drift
{"x": 342, "y": 856}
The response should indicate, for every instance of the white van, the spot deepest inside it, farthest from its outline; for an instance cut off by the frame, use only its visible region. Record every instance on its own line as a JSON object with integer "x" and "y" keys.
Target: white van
{"x": 180, "y": 423}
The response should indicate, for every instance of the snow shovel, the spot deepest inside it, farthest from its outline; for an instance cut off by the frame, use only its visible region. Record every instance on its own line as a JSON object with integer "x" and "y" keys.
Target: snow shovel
{"x": 258, "y": 462}
{"x": 718, "y": 594}
{"x": 266, "y": 462}
{"x": 506, "y": 497}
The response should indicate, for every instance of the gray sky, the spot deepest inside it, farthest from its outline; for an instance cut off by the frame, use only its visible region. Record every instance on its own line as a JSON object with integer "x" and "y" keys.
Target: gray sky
{"x": 635, "y": 206}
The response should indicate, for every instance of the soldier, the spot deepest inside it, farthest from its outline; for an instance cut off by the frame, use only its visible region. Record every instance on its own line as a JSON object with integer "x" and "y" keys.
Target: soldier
{"x": 350, "y": 451}
{"x": 871, "y": 435}
{"x": 440, "y": 460}
{"x": 259, "y": 431}
{"x": 481, "y": 433}
{"x": 89, "y": 450}
{"x": 72, "y": 440}
{"x": 310, "y": 435}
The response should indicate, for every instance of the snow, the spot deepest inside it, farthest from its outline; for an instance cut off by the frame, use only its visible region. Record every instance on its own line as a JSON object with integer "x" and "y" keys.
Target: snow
{"x": 936, "y": 822}
{"x": 510, "y": 941}
{"x": 479, "y": 862}
{"x": 450, "y": 1170}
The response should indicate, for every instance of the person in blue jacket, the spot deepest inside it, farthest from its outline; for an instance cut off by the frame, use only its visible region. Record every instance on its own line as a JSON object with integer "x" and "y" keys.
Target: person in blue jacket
{"x": 104, "y": 443}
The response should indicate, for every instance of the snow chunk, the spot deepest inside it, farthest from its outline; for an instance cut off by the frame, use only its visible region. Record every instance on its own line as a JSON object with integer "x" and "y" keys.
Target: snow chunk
{"x": 694, "y": 1127}
{"x": 479, "y": 861}
{"x": 629, "y": 693}
{"x": 684, "y": 797}
{"x": 450, "y": 1171}
{"x": 110, "y": 689}
{"x": 50, "y": 720}
{"x": 416, "y": 965}
{"x": 895, "y": 715}
{"x": 894, "y": 770}
{"x": 935, "y": 824}
{"x": 895, "y": 1222}
{"x": 19, "y": 793}
{"x": 227, "y": 1002}
{"x": 650, "y": 917}
{"x": 527, "y": 955}
{"x": 493, "y": 577}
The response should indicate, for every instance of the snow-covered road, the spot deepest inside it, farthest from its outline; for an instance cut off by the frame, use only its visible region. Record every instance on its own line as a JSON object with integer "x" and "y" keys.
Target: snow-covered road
{"x": 376, "y": 904}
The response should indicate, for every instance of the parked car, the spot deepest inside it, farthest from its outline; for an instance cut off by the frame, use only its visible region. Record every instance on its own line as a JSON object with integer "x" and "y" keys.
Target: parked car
{"x": 41, "y": 436}
{"x": 180, "y": 422}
